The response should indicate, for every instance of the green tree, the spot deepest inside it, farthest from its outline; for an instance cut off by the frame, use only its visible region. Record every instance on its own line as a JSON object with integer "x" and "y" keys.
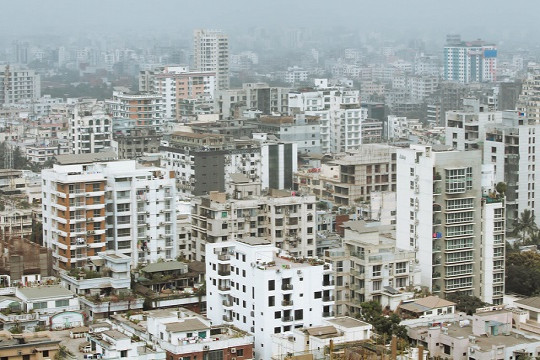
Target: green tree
{"x": 523, "y": 273}
{"x": 501, "y": 188}
{"x": 466, "y": 303}
{"x": 385, "y": 326}
{"x": 63, "y": 353}
{"x": 525, "y": 224}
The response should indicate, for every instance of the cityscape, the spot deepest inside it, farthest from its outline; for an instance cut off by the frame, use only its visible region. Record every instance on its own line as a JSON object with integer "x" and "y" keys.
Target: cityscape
{"x": 269, "y": 181}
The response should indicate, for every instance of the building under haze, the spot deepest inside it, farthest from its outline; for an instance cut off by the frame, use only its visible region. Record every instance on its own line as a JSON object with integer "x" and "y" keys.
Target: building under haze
{"x": 469, "y": 61}
{"x": 18, "y": 85}
{"x": 211, "y": 54}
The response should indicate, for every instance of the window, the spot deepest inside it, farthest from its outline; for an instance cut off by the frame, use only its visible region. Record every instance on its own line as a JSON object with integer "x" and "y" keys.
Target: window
{"x": 239, "y": 352}
{"x": 455, "y": 181}
{"x": 40, "y": 305}
{"x": 277, "y": 314}
{"x": 271, "y": 285}
{"x": 271, "y": 300}
{"x": 122, "y": 207}
{"x": 401, "y": 267}
{"x": 377, "y": 270}
{"x": 459, "y": 204}
{"x": 317, "y": 295}
{"x": 61, "y": 303}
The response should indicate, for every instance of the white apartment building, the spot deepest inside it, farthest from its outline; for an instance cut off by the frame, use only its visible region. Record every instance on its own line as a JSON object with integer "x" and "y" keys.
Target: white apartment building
{"x": 18, "y": 85}
{"x": 439, "y": 215}
{"x": 138, "y": 204}
{"x": 254, "y": 286}
{"x": 420, "y": 87}
{"x": 177, "y": 83}
{"x": 511, "y": 148}
{"x": 211, "y": 54}
{"x": 340, "y": 115}
{"x": 466, "y": 128}
{"x": 470, "y": 61}
{"x": 288, "y": 221}
{"x": 90, "y": 128}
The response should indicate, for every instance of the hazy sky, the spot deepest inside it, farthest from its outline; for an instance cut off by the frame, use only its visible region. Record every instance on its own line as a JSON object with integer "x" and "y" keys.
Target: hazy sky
{"x": 490, "y": 19}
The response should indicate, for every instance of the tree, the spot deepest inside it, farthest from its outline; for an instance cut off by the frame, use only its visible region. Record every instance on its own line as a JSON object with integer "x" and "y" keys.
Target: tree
{"x": 523, "y": 273}
{"x": 63, "y": 353}
{"x": 466, "y": 303}
{"x": 525, "y": 224}
{"x": 384, "y": 325}
{"x": 501, "y": 188}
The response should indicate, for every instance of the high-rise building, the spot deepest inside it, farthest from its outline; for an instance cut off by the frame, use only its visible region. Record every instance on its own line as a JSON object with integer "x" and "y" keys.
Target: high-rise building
{"x": 177, "y": 83}
{"x": 457, "y": 231}
{"x": 288, "y": 221}
{"x": 90, "y": 128}
{"x": 470, "y": 61}
{"x": 136, "y": 110}
{"x": 139, "y": 208}
{"x": 211, "y": 54}
{"x": 18, "y": 85}
{"x": 256, "y": 287}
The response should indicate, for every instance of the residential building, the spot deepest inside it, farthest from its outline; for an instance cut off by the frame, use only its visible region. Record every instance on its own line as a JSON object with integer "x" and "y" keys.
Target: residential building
{"x": 379, "y": 271}
{"x": 90, "y": 128}
{"x": 255, "y": 287}
{"x": 31, "y": 346}
{"x": 338, "y": 108}
{"x": 429, "y": 306}
{"x": 140, "y": 208}
{"x": 183, "y": 334}
{"x": 421, "y": 87}
{"x": 288, "y": 220}
{"x": 300, "y": 129}
{"x": 211, "y": 54}
{"x": 41, "y": 152}
{"x": 17, "y": 84}
{"x": 466, "y": 129}
{"x": 169, "y": 275}
{"x": 441, "y": 215}
{"x": 110, "y": 273}
{"x": 510, "y": 148}
{"x": 137, "y": 143}
{"x": 315, "y": 340}
{"x": 177, "y": 83}
{"x": 470, "y": 61}
{"x": 112, "y": 344}
{"x": 525, "y": 314}
{"x": 487, "y": 334}
{"x": 131, "y": 111}
{"x": 260, "y": 96}
{"x": 351, "y": 177}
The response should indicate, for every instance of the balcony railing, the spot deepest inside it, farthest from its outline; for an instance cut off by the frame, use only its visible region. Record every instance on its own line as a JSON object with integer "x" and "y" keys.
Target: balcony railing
{"x": 286, "y": 287}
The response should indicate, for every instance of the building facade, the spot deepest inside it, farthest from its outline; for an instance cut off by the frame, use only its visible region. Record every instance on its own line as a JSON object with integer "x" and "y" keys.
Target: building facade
{"x": 211, "y": 54}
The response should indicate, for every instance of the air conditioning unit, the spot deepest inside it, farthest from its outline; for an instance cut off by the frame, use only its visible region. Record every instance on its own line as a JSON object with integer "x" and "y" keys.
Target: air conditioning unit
{"x": 233, "y": 351}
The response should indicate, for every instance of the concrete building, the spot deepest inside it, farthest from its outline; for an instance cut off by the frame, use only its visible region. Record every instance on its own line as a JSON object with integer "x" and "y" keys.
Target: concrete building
{"x": 112, "y": 344}
{"x": 351, "y": 177}
{"x": 131, "y": 111}
{"x": 211, "y": 54}
{"x": 510, "y": 148}
{"x": 486, "y": 335}
{"x": 184, "y": 334}
{"x": 430, "y": 306}
{"x": 260, "y": 96}
{"x": 137, "y": 143}
{"x": 379, "y": 271}
{"x": 288, "y": 221}
{"x": 300, "y": 129}
{"x": 470, "y": 61}
{"x": 177, "y": 83}
{"x": 338, "y": 108}
{"x": 257, "y": 288}
{"x": 34, "y": 346}
{"x": 90, "y": 128}
{"x": 17, "y": 84}
{"x": 315, "y": 340}
{"x": 465, "y": 129}
{"x": 443, "y": 216}
{"x": 140, "y": 210}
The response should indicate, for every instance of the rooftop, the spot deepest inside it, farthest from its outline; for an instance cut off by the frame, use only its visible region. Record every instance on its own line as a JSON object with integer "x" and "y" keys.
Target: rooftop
{"x": 164, "y": 266}
{"x": 532, "y": 302}
{"x": 186, "y": 325}
{"x": 70, "y": 159}
{"x": 45, "y": 292}
{"x": 347, "y": 322}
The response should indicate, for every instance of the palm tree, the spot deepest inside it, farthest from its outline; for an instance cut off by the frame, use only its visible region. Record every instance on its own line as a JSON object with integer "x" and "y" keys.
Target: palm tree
{"x": 525, "y": 224}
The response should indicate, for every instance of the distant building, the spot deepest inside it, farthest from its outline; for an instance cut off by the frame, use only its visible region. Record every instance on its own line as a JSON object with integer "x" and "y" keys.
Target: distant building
{"x": 90, "y": 128}
{"x": 31, "y": 346}
{"x": 17, "y": 84}
{"x": 211, "y": 54}
{"x": 470, "y": 61}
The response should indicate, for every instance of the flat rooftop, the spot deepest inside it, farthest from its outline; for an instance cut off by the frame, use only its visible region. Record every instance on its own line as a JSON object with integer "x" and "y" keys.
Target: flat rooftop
{"x": 347, "y": 322}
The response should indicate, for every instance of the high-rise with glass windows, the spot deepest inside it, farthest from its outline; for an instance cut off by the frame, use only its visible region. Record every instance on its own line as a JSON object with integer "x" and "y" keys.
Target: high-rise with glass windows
{"x": 456, "y": 229}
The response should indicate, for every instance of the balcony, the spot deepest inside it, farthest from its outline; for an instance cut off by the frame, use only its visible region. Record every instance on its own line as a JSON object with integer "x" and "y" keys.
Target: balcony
{"x": 287, "y": 303}
{"x": 227, "y": 318}
{"x": 224, "y": 257}
{"x": 286, "y": 287}
{"x": 328, "y": 314}
{"x": 227, "y": 303}
{"x": 224, "y": 272}
{"x": 224, "y": 288}
{"x": 287, "y": 318}
{"x": 328, "y": 283}
{"x": 328, "y": 298}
